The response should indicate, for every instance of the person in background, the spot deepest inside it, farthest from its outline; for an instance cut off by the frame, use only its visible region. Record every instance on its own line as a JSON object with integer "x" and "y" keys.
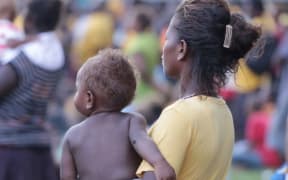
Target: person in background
{"x": 253, "y": 152}
{"x": 91, "y": 33}
{"x": 254, "y": 71}
{"x": 91, "y": 26}
{"x": 144, "y": 51}
{"x": 256, "y": 11}
{"x": 27, "y": 82}
{"x": 278, "y": 131}
{"x": 277, "y": 135}
{"x": 8, "y": 31}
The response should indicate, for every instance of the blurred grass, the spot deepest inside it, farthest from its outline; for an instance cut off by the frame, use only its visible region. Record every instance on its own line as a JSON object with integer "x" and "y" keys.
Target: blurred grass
{"x": 244, "y": 174}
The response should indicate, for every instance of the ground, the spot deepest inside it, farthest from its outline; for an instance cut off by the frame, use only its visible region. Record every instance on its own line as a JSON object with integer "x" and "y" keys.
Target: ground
{"x": 247, "y": 174}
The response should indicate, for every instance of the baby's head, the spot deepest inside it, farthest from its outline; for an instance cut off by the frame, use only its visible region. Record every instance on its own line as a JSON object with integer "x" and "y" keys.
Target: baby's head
{"x": 7, "y": 9}
{"x": 106, "y": 82}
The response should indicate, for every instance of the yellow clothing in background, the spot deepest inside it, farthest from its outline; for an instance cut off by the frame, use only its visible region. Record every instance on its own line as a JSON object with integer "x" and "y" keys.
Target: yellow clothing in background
{"x": 266, "y": 21}
{"x": 98, "y": 35}
{"x": 246, "y": 79}
{"x": 19, "y": 22}
{"x": 196, "y": 136}
{"x": 116, "y": 7}
{"x": 235, "y": 8}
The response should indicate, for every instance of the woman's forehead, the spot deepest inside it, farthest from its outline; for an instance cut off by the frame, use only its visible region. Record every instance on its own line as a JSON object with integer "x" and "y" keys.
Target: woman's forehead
{"x": 173, "y": 21}
{"x": 171, "y": 30}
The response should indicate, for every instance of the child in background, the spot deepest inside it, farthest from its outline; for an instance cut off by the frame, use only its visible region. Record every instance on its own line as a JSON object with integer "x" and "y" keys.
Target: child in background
{"x": 105, "y": 145}
{"x": 8, "y": 32}
{"x": 254, "y": 152}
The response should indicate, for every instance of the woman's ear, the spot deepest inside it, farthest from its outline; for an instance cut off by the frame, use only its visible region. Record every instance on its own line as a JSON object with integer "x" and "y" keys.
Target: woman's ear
{"x": 181, "y": 50}
{"x": 90, "y": 100}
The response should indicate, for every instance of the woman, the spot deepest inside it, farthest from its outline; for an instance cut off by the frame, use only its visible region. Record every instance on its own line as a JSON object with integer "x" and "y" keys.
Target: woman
{"x": 196, "y": 134}
{"x": 27, "y": 83}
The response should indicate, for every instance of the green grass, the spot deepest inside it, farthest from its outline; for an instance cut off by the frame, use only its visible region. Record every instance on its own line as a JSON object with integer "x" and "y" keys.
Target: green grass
{"x": 247, "y": 174}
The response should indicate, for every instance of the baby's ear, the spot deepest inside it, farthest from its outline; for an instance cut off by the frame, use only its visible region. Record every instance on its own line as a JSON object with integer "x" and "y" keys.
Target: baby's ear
{"x": 90, "y": 100}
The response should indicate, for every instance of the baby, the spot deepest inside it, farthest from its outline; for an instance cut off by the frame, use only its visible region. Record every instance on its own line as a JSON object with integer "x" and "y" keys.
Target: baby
{"x": 108, "y": 144}
{"x": 10, "y": 35}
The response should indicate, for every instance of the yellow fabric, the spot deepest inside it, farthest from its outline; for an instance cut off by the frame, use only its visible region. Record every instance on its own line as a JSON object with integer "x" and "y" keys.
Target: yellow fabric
{"x": 196, "y": 136}
{"x": 266, "y": 21}
{"x": 283, "y": 19}
{"x": 130, "y": 35}
{"x": 247, "y": 80}
{"x": 235, "y": 8}
{"x": 19, "y": 22}
{"x": 116, "y": 7}
{"x": 98, "y": 35}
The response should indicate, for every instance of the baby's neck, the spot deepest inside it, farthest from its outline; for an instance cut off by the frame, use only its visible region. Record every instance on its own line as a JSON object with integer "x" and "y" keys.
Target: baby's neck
{"x": 103, "y": 110}
{"x": 5, "y": 17}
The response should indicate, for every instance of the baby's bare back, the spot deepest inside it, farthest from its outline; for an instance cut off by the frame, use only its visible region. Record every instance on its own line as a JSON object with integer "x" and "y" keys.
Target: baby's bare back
{"x": 101, "y": 148}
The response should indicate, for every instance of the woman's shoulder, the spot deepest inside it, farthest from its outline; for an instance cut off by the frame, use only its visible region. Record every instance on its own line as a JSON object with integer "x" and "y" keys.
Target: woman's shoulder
{"x": 183, "y": 104}
{"x": 194, "y": 105}
{"x": 181, "y": 110}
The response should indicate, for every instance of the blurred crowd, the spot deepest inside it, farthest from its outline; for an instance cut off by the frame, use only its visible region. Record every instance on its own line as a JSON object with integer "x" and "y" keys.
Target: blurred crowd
{"x": 257, "y": 93}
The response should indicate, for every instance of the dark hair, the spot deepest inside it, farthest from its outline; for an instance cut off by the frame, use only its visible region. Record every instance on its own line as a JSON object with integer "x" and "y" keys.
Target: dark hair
{"x": 257, "y": 6}
{"x": 44, "y": 14}
{"x": 110, "y": 75}
{"x": 143, "y": 21}
{"x": 202, "y": 25}
{"x": 7, "y": 9}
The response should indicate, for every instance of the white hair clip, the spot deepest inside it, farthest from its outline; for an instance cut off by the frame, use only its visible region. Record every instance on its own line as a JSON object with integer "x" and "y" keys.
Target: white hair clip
{"x": 228, "y": 36}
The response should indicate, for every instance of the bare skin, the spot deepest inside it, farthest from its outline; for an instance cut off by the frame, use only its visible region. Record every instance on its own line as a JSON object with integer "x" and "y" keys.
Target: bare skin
{"x": 108, "y": 144}
{"x": 12, "y": 43}
{"x": 8, "y": 80}
{"x": 102, "y": 147}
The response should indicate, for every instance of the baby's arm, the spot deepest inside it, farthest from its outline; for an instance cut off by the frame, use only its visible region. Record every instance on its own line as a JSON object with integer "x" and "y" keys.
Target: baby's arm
{"x": 14, "y": 43}
{"x": 67, "y": 166}
{"x": 148, "y": 150}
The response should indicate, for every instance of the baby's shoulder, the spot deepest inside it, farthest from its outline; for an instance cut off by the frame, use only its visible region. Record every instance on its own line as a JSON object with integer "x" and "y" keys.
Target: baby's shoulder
{"x": 74, "y": 132}
{"x": 136, "y": 117}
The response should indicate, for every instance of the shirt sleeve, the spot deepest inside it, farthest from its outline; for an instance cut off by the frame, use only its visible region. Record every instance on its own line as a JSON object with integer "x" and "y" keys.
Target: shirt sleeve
{"x": 172, "y": 134}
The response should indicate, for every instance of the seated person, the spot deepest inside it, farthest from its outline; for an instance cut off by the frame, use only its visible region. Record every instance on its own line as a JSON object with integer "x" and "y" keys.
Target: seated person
{"x": 253, "y": 152}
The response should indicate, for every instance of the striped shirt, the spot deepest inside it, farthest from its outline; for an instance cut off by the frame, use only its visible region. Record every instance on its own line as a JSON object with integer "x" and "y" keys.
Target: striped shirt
{"x": 22, "y": 111}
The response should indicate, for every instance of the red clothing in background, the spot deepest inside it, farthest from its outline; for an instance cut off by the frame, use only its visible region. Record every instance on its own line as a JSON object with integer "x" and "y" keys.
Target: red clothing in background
{"x": 257, "y": 125}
